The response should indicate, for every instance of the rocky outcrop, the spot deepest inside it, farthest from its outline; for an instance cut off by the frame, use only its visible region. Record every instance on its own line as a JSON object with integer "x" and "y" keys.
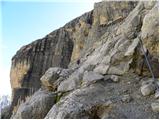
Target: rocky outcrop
{"x": 37, "y": 106}
{"x": 150, "y": 35}
{"x": 104, "y": 99}
{"x": 59, "y": 47}
{"x": 155, "y": 106}
{"x": 53, "y": 76}
{"x": 32, "y": 60}
{"x": 91, "y": 77}
{"x": 94, "y": 64}
{"x": 148, "y": 89}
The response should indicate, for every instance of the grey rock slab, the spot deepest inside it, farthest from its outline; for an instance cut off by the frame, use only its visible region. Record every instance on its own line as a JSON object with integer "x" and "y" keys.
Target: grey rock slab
{"x": 76, "y": 104}
{"x": 102, "y": 69}
{"x": 132, "y": 47}
{"x": 52, "y": 75}
{"x": 72, "y": 82}
{"x": 147, "y": 89}
{"x": 155, "y": 107}
{"x": 91, "y": 77}
{"x": 157, "y": 94}
{"x": 37, "y": 106}
{"x": 115, "y": 78}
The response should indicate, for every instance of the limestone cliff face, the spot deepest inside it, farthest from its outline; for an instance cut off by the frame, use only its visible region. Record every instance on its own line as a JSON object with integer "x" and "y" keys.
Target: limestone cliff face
{"x": 32, "y": 60}
{"x": 66, "y": 44}
{"x": 105, "y": 40}
{"x": 91, "y": 26}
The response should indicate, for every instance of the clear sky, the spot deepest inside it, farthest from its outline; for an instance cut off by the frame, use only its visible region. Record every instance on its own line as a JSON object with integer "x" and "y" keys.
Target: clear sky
{"x": 23, "y": 21}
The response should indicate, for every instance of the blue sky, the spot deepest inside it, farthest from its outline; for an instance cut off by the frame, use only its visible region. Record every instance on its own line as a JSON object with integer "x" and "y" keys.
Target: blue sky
{"x": 23, "y": 21}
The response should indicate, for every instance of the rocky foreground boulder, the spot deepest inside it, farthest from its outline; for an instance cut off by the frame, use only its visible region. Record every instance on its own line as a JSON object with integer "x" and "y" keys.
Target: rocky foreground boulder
{"x": 93, "y": 67}
{"x": 36, "y": 106}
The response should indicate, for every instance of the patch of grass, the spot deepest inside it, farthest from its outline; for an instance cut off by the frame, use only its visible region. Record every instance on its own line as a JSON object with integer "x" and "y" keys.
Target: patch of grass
{"x": 59, "y": 97}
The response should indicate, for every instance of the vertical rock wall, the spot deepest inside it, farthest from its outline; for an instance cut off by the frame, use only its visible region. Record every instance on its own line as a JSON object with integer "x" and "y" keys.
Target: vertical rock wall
{"x": 32, "y": 60}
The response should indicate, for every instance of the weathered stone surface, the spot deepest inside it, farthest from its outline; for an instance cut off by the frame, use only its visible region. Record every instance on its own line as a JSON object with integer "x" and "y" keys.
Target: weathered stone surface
{"x": 94, "y": 24}
{"x": 91, "y": 77}
{"x": 131, "y": 49}
{"x": 155, "y": 107}
{"x": 102, "y": 100}
{"x": 75, "y": 104}
{"x": 102, "y": 15}
{"x": 147, "y": 89}
{"x": 37, "y": 106}
{"x": 66, "y": 44}
{"x": 115, "y": 78}
{"x": 32, "y": 60}
{"x": 52, "y": 75}
{"x": 126, "y": 98}
{"x": 149, "y": 4}
{"x": 148, "y": 81}
{"x": 149, "y": 36}
{"x": 71, "y": 83}
{"x": 114, "y": 115}
{"x": 102, "y": 69}
{"x": 150, "y": 30}
{"x": 104, "y": 44}
{"x": 112, "y": 52}
{"x": 157, "y": 94}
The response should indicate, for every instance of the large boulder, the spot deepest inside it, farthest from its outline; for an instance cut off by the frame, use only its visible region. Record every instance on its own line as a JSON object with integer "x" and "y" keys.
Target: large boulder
{"x": 150, "y": 36}
{"x": 37, "y": 106}
{"x": 91, "y": 77}
{"x": 76, "y": 104}
{"x": 102, "y": 69}
{"x": 155, "y": 106}
{"x": 52, "y": 75}
{"x": 150, "y": 30}
{"x": 72, "y": 82}
{"x": 148, "y": 87}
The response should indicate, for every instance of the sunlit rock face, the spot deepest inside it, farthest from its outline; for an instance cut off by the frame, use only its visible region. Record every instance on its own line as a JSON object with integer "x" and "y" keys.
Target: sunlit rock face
{"x": 105, "y": 41}
{"x": 66, "y": 44}
{"x": 93, "y": 25}
{"x": 32, "y": 60}
{"x": 150, "y": 34}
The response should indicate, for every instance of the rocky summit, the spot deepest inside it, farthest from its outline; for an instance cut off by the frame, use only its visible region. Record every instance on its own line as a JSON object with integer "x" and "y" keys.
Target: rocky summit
{"x": 103, "y": 64}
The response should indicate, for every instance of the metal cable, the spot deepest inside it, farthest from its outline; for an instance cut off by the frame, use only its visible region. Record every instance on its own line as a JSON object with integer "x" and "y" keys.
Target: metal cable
{"x": 147, "y": 61}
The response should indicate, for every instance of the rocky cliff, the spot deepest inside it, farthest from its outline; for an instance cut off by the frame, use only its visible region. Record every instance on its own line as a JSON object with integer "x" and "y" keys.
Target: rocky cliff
{"x": 61, "y": 46}
{"x": 98, "y": 65}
